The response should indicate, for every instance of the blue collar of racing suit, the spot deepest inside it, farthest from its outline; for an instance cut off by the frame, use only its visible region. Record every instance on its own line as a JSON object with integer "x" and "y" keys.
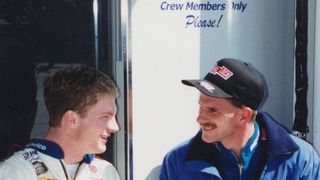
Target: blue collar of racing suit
{"x": 52, "y": 149}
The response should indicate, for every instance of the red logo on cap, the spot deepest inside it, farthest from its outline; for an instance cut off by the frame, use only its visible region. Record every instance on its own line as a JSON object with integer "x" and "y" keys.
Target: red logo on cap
{"x": 222, "y": 71}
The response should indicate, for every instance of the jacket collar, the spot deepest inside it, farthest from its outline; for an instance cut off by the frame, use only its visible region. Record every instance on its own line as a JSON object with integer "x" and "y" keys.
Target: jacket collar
{"x": 200, "y": 150}
{"x": 276, "y": 146}
{"x": 209, "y": 157}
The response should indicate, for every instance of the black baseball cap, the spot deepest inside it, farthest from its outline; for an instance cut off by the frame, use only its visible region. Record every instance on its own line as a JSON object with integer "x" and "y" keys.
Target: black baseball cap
{"x": 233, "y": 78}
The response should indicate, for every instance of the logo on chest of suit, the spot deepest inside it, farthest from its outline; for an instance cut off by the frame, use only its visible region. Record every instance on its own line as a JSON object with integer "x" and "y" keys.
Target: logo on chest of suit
{"x": 92, "y": 168}
{"x": 39, "y": 167}
{"x": 93, "y": 173}
{"x": 30, "y": 156}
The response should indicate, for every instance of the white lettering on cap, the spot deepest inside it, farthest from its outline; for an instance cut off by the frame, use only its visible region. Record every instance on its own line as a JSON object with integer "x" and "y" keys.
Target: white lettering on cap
{"x": 207, "y": 86}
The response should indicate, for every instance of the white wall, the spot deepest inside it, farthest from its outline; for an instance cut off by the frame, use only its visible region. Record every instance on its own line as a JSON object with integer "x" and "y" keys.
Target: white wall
{"x": 164, "y": 111}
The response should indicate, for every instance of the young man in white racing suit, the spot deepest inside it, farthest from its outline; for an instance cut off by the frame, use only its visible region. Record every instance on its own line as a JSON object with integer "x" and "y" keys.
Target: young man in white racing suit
{"x": 82, "y": 109}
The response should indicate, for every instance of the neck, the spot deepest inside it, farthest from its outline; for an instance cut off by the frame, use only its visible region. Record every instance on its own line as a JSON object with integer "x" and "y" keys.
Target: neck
{"x": 239, "y": 140}
{"x": 72, "y": 155}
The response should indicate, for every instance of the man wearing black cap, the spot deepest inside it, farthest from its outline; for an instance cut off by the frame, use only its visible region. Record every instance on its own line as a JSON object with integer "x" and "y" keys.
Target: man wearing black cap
{"x": 236, "y": 140}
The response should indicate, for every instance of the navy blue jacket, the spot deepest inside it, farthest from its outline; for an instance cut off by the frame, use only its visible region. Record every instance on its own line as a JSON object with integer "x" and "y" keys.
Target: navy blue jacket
{"x": 279, "y": 155}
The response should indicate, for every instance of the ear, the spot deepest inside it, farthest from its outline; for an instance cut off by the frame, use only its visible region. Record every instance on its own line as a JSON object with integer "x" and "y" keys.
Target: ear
{"x": 247, "y": 114}
{"x": 70, "y": 119}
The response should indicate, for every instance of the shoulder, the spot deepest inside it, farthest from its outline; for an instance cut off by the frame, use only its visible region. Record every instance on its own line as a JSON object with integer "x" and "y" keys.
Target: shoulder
{"x": 305, "y": 150}
{"x": 17, "y": 166}
{"x": 181, "y": 147}
{"x": 305, "y": 161}
{"x": 188, "y": 148}
{"x": 174, "y": 161}
{"x": 101, "y": 162}
{"x": 178, "y": 153}
{"x": 19, "y": 159}
{"x": 108, "y": 170}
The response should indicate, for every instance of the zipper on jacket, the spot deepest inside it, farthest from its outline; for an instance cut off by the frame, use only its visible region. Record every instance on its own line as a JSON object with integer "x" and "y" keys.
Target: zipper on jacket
{"x": 240, "y": 169}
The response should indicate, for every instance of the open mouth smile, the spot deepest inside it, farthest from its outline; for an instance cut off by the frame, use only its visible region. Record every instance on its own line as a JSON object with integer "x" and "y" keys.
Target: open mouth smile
{"x": 208, "y": 127}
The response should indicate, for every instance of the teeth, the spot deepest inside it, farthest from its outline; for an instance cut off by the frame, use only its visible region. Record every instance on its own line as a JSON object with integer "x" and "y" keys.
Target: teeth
{"x": 208, "y": 127}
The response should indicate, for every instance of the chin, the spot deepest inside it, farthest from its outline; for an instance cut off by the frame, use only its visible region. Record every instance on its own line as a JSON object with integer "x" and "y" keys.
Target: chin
{"x": 100, "y": 149}
{"x": 207, "y": 139}
{"x": 103, "y": 148}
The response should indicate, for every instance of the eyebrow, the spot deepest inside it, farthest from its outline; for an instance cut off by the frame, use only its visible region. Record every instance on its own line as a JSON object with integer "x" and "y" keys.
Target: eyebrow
{"x": 106, "y": 115}
{"x": 109, "y": 112}
{"x": 211, "y": 107}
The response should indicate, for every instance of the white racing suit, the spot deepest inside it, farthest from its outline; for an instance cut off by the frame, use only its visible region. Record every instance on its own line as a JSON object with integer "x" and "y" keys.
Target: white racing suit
{"x": 42, "y": 160}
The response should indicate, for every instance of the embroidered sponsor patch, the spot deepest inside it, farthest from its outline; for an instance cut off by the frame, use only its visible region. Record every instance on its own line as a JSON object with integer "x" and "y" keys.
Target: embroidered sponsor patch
{"x": 40, "y": 167}
{"x": 92, "y": 168}
{"x": 207, "y": 86}
{"x": 222, "y": 71}
{"x": 30, "y": 155}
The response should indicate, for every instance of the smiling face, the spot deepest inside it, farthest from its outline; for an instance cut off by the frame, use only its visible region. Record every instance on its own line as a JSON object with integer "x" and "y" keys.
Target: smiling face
{"x": 96, "y": 127}
{"x": 219, "y": 119}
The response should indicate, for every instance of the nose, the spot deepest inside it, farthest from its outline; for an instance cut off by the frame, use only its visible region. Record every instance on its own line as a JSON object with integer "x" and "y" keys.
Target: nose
{"x": 113, "y": 126}
{"x": 201, "y": 116}
{"x": 200, "y": 119}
